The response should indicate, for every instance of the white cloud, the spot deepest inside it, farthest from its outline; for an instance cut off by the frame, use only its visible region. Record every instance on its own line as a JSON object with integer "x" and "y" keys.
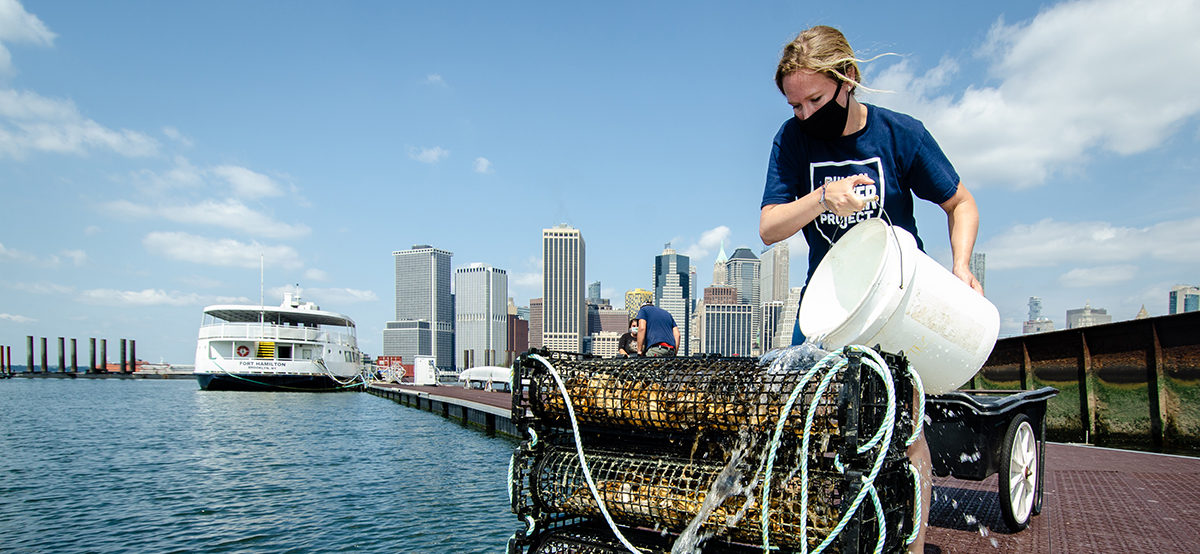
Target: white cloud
{"x": 482, "y": 165}
{"x": 1081, "y": 76}
{"x": 175, "y": 135}
{"x": 17, "y": 318}
{"x": 435, "y": 79}
{"x": 78, "y": 257}
{"x": 230, "y": 213}
{"x": 31, "y": 122}
{"x": 20, "y": 26}
{"x": 1098, "y": 276}
{"x": 710, "y": 241}
{"x": 91, "y": 230}
{"x": 221, "y": 252}
{"x": 248, "y": 184}
{"x": 152, "y": 297}
{"x": 14, "y": 255}
{"x": 1049, "y": 243}
{"x": 43, "y": 287}
{"x": 428, "y": 155}
{"x": 316, "y": 275}
{"x": 183, "y": 176}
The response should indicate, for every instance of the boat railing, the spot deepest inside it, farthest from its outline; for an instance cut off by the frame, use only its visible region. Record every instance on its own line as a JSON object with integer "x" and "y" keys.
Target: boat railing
{"x": 270, "y": 332}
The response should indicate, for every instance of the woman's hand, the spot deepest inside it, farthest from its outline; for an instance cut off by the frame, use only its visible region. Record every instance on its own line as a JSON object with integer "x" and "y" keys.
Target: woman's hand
{"x": 840, "y": 198}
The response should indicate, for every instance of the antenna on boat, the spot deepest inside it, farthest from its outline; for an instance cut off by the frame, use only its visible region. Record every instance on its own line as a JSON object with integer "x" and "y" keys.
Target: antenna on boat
{"x": 262, "y": 286}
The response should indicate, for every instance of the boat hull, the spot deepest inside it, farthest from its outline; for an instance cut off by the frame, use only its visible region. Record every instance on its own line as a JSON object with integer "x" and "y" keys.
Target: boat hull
{"x": 271, "y": 383}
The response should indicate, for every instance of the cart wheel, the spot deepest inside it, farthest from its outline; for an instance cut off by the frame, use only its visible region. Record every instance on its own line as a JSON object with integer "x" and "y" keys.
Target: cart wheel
{"x": 1018, "y": 473}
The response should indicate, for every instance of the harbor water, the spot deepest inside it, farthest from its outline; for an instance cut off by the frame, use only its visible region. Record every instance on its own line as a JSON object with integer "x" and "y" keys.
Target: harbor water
{"x": 112, "y": 466}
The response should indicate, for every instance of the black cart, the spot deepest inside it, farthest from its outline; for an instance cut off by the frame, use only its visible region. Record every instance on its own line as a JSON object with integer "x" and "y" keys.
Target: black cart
{"x": 976, "y": 433}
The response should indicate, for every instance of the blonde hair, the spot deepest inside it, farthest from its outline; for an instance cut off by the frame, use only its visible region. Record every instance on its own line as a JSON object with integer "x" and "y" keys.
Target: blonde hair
{"x": 822, "y": 49}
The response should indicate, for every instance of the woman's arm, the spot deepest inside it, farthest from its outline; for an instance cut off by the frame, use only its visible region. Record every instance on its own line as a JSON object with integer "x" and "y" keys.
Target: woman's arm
{"x": 962, "y": 219}
{"x": 777, "y": 222}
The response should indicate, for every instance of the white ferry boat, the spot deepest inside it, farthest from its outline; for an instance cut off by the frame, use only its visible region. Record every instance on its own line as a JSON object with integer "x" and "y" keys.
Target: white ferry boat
{"x": 293, "y": 347}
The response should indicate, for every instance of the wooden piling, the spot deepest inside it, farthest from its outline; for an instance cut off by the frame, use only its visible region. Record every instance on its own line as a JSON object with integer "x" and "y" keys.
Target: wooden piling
{"x": 103, "y": 368}
{"x": 62, "y": 355}
{"x": 45, "y": 368}
{"x": 2, "y": 372}
{"x": 74, "y": 365}
{"x": 123, "y": 370}
{"x": 91, "y": 355}
{"x": 132, "y": 355}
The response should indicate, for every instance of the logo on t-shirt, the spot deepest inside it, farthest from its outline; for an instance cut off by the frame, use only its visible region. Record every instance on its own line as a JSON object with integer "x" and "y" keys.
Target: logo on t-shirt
{"x": 821, "y": 173}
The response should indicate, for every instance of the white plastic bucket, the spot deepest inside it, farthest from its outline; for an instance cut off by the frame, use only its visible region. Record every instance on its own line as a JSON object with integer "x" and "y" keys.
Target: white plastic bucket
{"x": 875, "y": 286}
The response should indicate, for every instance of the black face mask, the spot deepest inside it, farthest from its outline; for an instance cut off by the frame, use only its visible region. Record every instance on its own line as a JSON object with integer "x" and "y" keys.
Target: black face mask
{"x": 829, "y": 122}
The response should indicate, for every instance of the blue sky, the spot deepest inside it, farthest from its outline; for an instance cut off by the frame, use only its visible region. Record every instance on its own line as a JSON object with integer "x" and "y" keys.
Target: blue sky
{"x": 150, "y": 152}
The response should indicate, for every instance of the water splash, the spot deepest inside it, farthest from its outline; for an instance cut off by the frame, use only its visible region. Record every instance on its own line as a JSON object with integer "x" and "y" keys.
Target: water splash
{"x": 728, "y": 483}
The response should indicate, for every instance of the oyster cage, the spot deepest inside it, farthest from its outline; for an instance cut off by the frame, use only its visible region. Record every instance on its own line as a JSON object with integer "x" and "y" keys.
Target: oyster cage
{"x": 663, "y": 435}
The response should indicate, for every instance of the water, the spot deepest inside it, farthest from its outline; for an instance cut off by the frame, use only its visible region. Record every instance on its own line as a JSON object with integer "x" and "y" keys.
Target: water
{"x": 111, "y": 466}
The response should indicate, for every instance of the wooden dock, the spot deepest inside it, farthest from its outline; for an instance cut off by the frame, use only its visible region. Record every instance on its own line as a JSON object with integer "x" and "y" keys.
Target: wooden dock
{"x": 1096, "y": 500}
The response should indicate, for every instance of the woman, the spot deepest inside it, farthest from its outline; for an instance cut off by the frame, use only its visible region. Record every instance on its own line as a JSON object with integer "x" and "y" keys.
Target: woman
{"x": 838, "y": 162}
{"x": 628, "y": 345}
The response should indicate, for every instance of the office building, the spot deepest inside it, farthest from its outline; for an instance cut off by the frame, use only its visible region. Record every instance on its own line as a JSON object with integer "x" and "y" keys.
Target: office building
{"x": 772, "y": 313}
{"x": 616, "y": 321}
{"x": 480, "y": 315}
{"x": 535, "y": 323}
{"x": 518, "y": 338}
{"x": 1036, "y": 323}
{"x": 672, "y": 292}
{"x": 728, "y": 329}
{"x": 634, "y": 300}
{"x": 978, "y": 266}
{"x": 742, "y": 272}
{"x": 694, "y": 286}
{"x": 603, "y": 344}
{"x": 1183, "y": 298}
{"x": 720, "y": 294}
{"x": 593, "y": 293}
{"x": 719, "y": 266}
{"x": 1087, "y": 316}
{"x": 787, "y": 320}
{"x": 774, "y": 273}
{"x": 424, "y": 323}
{"x": 564, "y": 312}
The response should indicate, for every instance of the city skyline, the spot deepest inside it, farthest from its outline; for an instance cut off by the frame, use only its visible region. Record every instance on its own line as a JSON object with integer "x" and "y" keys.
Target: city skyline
{"x": 152, "y": 154}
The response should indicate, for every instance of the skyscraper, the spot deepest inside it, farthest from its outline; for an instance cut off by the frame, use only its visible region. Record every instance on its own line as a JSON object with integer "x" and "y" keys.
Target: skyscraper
{"x": 742, "y": 272}
{"x": 634, "y": 300}
{"x": 775, "y": 261}
{"x": 424, "y": 324}
{"x": 1036, "y": 323}
{"x": 535, "y": 323}
{"x": 672, "y": 292}
{"x": 564, "y": 313}
{"x": 1183, "y": 298}
{"x": 772, "y": 313}
{"x": 787, "y": 320}
{"x": 1087, "y": 316}
{"x": 719, "y": 266}
{"x": 480, "y": 315}
{"x": 593, "y": 293}
{"x": 979, "y": 268}
{"x": 727, "y": 329}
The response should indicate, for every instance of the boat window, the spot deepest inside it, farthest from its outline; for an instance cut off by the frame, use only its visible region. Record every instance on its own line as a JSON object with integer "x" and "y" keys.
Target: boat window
{"x": 284, "y": 352}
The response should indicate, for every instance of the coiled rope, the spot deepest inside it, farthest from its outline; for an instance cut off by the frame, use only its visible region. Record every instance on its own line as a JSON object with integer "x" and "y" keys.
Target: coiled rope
{"x": 882, "y": 438}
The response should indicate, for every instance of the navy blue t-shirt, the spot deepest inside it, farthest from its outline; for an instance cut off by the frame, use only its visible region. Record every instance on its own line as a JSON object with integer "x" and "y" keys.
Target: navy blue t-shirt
{"x": 660, "y": 325}
{"x": 894, "y": 150}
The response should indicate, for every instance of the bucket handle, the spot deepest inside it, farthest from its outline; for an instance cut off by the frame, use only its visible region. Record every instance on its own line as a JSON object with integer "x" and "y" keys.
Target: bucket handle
{"x": 892, "y": 228}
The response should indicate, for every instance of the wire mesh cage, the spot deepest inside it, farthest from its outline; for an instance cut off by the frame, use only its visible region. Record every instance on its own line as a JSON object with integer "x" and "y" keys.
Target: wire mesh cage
{"x": 663, "y": 436}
